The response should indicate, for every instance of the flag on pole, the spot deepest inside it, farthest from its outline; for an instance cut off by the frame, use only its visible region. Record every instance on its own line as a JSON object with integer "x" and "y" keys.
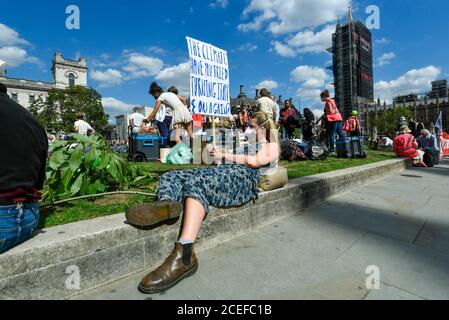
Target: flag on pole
{"x": 439, "y": 123}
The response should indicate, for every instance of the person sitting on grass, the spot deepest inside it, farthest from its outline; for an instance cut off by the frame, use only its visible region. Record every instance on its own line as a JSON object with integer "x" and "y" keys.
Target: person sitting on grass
{"x": 405, "y": 146}
{"x": 195, "y": 191}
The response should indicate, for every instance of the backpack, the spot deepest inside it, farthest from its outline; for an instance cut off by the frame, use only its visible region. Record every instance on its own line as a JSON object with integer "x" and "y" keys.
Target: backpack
{"x": 291, "y": 151}
{"x": 317, "y": 151}
{"x": 350, "y": 125}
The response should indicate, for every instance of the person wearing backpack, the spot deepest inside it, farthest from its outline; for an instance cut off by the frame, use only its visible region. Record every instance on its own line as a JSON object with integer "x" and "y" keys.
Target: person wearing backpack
{"x": 352, "y": 125}
{"x": 334, "y": 121}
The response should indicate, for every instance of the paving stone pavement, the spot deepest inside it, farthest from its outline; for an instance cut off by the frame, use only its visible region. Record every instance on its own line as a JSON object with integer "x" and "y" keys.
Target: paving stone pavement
{"x": 399, "y": 225}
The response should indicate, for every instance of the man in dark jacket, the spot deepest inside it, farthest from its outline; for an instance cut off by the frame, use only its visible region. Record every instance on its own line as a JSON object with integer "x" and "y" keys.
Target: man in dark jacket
{"x": 22, "y": 172}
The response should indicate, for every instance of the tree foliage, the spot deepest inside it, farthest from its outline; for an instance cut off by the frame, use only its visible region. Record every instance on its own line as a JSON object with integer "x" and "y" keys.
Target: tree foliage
{"x": 58, "y": 112}
{"x": 85, "y": 166}
{"x": 388, "y": 121}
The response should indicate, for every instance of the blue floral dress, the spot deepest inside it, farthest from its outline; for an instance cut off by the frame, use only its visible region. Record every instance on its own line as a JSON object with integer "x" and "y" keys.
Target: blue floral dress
{"x": 224, "y": 186}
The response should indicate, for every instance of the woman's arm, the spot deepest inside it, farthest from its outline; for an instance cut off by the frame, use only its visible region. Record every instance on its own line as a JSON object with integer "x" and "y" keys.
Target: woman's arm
{"x": 183, "y": 100}
{"x": 155, "y": 111}
{"x": 268, "y": 154}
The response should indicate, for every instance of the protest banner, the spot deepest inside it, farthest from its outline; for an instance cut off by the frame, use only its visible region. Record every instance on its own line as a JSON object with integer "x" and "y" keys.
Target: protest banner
{"x": 209, "y": 81}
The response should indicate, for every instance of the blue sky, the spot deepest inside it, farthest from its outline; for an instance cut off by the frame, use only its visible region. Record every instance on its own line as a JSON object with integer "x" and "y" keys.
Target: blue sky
{"x": 275, "y": 43}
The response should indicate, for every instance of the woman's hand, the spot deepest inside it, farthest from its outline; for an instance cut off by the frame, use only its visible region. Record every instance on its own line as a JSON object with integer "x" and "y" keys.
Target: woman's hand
{"x": 216, "y": 154}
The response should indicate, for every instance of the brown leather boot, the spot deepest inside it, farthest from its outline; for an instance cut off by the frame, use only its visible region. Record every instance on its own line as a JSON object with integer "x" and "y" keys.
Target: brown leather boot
{"x": 181, "y": 264}
{"x": 151, "y": 214}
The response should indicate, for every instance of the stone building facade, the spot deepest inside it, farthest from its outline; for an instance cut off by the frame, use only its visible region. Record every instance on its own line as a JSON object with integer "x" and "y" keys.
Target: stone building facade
{"x": 65, "y": 73}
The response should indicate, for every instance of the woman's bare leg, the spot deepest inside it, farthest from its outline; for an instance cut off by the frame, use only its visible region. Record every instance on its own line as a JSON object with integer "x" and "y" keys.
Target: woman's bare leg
{"x": 178, "y": 135}
{"x": 189, "y": 128}
{"x": 194, "y": 215}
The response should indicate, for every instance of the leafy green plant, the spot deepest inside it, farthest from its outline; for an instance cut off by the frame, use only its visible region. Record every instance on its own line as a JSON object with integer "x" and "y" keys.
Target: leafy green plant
{"x": 85, "y": 165}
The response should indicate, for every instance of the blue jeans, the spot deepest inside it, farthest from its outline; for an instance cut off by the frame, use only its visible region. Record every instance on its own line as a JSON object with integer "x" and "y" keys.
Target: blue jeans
{"x": 164, "y": 128}
{"x": 17, "y": 224}
{"x": 333, "y": 129}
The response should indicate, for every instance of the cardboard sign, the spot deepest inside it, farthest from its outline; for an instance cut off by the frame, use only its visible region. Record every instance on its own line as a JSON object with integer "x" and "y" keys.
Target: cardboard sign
{"x": 209, "y": 79}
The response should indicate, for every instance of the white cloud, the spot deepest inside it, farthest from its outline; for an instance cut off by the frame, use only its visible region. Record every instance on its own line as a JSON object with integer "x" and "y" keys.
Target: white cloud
{"x": 415, "y": 80}
{"x": 311, "y": 76}
{"x": 15, "y": 57}
{"x": 247, "y": 47}
{"x": 10, "y": 37}
{"x": 10, "y": 48}
{"x": 382, "y": 41}
{"x": 267, "y": 84}
{"x": 385, "y": 59}
{"x": 312, "y": 80}
{"x": 108, "y": 78}
{"x": 312, "y": 42}
{"x": 283, "y": 50}
{"x": 219, "y": 4}
{"x": 141, "y": 66}
{"x": 115, "y": 107}
{"x": 177, "y": 76}
{"x": 156, "y": 50}
{"x": 284, "y": 16}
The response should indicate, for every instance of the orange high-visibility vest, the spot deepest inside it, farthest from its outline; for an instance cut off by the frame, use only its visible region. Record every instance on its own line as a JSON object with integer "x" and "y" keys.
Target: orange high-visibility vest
{"x": 198, "y": 120}
{"x": 403, "y": 146}
{"x": 351, "y": 124}
{"x": 334, "y": 115}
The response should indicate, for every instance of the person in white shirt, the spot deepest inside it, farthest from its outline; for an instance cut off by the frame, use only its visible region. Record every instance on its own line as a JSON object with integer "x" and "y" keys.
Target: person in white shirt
{"x": 182, "y": 119}
{"x": 277, "y": 111}
{"x": 135, "y": 120}
{"x": 81, "y": 126}
{"x": 265, "y": 104}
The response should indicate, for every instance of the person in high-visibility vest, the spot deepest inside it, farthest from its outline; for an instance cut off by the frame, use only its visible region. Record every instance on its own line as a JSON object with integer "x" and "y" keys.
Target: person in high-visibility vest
{"x": 405, "y": 146}
{"x": 334, "y": 120}
{"x": 352, "y": 125}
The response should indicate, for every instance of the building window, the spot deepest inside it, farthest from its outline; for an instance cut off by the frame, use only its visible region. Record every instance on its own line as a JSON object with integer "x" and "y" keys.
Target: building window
{"x": 71, "y": 79}
{"x": 32, "y": 99}
{"x": 14, "y": 97}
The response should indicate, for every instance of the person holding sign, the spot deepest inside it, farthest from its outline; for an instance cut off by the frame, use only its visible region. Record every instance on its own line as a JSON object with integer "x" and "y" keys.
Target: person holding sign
{"x": 182, "y": 119}
{"x": 195, "y": 191}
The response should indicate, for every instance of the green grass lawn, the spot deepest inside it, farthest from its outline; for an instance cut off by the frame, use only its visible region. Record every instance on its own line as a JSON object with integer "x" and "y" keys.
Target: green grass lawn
{"x": 86, "y": 209}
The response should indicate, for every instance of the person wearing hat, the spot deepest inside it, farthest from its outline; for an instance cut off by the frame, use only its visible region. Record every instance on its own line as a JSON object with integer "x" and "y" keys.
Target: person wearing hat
{"x": 406, "y": 146}
{"x": 352, "y": 125}
{"x": 266, "y": 104}
{"x": 334, "y": 120}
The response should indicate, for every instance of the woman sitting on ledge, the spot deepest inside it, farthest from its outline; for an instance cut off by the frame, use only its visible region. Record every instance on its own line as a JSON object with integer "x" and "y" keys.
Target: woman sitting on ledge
{"x": 405, "y": 146}
{"x": 194, "y": 191}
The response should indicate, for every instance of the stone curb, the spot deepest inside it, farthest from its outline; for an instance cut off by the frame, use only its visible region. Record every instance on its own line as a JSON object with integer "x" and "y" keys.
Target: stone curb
{"x": 106, "y": 249}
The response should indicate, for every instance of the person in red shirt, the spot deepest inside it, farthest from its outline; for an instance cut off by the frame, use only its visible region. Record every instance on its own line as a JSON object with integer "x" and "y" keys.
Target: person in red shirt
{"x": 286, "y": 113}
{"x": 334, "y": 120}
{"x": 352, "y": 125}
{"x": 406, "y": 146}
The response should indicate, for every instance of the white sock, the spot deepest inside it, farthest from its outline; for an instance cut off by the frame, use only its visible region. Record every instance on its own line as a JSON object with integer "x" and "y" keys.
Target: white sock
{"x": 185, "y": 241}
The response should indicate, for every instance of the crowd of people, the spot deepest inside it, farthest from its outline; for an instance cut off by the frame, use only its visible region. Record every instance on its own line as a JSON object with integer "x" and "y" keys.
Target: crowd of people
{"x": 414, "y": 141}
{"x": 191, "y": 192}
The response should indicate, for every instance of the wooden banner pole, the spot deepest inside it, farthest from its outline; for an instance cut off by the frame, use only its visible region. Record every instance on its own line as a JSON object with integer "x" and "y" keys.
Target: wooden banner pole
{"x": 214, "y": 142}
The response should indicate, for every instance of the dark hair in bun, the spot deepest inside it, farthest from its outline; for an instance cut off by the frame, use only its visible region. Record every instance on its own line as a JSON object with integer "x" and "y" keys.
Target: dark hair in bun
{"x": 154, "y": 88}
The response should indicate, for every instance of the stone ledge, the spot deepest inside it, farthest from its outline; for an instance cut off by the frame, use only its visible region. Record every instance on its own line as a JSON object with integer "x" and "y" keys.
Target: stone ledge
{"x": 106, "y": 249}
